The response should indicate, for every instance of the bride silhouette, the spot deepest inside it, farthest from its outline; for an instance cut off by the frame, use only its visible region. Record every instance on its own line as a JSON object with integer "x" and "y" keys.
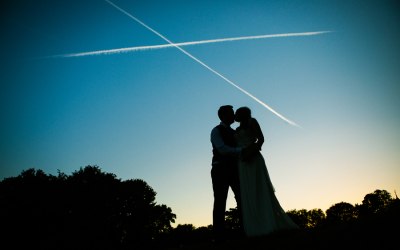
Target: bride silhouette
{"x": 261, "y": 211}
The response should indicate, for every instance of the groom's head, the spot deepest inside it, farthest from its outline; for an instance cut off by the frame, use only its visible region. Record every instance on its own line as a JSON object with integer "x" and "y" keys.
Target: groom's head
{"x": 226, "y": 114}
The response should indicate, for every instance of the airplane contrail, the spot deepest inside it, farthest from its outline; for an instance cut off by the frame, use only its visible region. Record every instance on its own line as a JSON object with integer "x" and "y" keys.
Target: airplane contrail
{"x": 205, "y": 65}
{"x": 163, "y": 46}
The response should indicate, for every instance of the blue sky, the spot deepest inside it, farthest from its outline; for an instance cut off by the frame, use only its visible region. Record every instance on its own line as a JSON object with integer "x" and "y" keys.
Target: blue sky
{"x": 148, "y": 114}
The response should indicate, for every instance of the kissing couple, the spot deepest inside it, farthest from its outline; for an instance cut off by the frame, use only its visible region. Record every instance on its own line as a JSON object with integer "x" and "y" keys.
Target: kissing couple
{"x": 237, "y": 163}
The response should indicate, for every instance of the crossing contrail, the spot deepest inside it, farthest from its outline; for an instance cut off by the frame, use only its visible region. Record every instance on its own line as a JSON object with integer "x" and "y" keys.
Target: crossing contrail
{"x": 205, "y": 65}
{"x": 163, "y": 46}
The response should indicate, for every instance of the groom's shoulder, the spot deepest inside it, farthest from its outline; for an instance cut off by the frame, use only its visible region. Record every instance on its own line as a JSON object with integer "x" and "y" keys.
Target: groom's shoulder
{"x": 217, "y": 129}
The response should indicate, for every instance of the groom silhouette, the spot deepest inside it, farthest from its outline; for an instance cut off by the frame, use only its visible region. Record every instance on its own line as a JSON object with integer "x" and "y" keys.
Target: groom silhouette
{"x": 224, "y": 172}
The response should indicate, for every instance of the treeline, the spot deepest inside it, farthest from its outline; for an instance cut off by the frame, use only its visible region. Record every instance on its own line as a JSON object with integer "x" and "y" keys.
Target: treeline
{"x": 90, "y": 209}
{"x": 374, "y": 204}
{"x": 373, "y": 223}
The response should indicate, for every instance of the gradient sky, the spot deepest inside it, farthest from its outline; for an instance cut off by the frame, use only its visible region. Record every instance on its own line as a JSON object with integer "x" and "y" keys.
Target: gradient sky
{"x": 149, "y": 114}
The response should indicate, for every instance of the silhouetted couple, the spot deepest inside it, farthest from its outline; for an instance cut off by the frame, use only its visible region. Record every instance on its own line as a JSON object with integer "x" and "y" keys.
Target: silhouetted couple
{"x": 238, "y": 163}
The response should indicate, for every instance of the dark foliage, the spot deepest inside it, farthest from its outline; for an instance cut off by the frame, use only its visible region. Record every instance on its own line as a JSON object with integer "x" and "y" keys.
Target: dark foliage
{"x": 344, "y": 226}
{"x": 341, "y": 212}
{"x": 87, "y": 210}
{"x": 91, "y": 209}
{"x": 375, "y": 232}
{"x": 232, "y": 219}
{"x": 307, "y": 218}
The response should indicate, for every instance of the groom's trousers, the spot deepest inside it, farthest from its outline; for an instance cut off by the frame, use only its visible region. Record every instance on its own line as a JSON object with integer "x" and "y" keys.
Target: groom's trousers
{"x": 224, "y": 176}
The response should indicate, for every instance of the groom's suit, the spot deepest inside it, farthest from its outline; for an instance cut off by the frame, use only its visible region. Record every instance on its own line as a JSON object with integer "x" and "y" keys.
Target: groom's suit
{"x": 224, "y": 173}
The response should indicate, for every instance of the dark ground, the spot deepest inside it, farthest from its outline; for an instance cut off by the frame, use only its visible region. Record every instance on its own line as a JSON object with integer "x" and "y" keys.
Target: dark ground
{"x": 380, "y": 232}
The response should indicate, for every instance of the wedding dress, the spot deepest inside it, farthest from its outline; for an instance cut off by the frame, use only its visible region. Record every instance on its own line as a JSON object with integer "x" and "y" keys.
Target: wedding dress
{"x": 261, "y": 211}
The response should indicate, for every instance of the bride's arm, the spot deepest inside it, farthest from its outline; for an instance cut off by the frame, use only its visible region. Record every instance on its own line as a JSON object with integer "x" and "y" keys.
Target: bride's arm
{"x": 255, "y": 127}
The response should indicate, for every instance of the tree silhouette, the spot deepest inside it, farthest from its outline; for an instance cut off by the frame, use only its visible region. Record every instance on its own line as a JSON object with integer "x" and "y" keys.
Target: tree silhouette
{"x": 316, "y": 217}
{"x": 91, "y": 209}
{"x": 307, "y": 218}
{"x": 232, "y": 219}
{"x": 88, "y": 210}
{"x": 341, "y": 212}
{"x": 300, "y": 217}
{"x": 375, "y": 203}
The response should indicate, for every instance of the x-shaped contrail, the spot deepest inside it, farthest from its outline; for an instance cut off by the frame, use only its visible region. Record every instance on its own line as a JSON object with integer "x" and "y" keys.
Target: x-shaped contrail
{"x": 205, "y": 65}
{"x": 178, "y": 46}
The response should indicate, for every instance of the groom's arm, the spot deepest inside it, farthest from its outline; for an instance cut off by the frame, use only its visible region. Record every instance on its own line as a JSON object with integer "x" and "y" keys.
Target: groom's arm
{"x": 219, "y": 144}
